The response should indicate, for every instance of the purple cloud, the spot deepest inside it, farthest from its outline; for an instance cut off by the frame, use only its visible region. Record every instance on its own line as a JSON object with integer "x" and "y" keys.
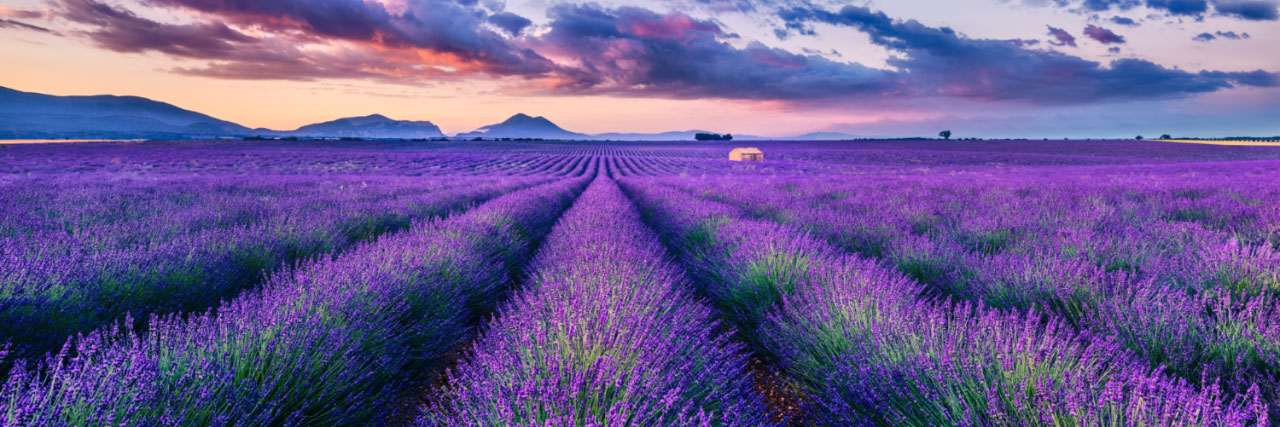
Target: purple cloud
{"x": 1103, "y": 35}
{"x": 634, "y": 51}
{"x": 511, "y": 23}
{"x": 454, "y": 28}
{"x": 1253, "y": 10}
{"x": 627, "y": 51}
{"x": 1180, "y": 7}
{"x": 1120, "y": 20}
{"x": 1208, "y": 37}
{"x": 10, "y": 23}
{"x": 1061, "y": 37}
{"x": 123, "y": 31}
{"x": 1256, "y": 10}
{"x": 372, "y": 48}
{"x": 938, "y": 61}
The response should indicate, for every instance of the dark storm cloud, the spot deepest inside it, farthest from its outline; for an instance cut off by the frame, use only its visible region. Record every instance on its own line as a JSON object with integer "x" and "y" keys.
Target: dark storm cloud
{"x": 511, "y": 23}
{"x": 123, "y": 31}
{"x": 1180, "y": 7}
{"x": 627, "y": 51}
{"x": 235, "y": 55}
{"x": 1061, "y": 37}
{"x": 455, "y": 28}
{"x": 458, "y": 32}
{"x": 1254, "y": 10}
{"x": 1103, "y": 35}
{"x": 636, "y": 51}
{"x": 940, "y": 61}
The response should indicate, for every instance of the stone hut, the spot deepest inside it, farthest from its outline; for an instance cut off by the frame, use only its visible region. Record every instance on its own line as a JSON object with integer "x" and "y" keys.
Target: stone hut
{"x": 746, "y": 154}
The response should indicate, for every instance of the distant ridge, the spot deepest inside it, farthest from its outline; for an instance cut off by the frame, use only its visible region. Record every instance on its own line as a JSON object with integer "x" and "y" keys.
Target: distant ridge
{"x": 371, "y": 126}
{"x": 523, "y": 126}
{"x": 35, "y": 115}
{"x": 28, "y": 115}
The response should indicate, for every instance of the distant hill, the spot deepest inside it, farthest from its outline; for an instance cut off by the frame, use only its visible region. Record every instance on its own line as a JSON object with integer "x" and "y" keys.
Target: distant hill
{"x": 523, "y": 126}
{"x": 664, "y": 136}
{"x": 372, "y": 126}
{"x": 34, "y": 115}
{"x": 813, "y": 136}
{"x": 27, "y": 115}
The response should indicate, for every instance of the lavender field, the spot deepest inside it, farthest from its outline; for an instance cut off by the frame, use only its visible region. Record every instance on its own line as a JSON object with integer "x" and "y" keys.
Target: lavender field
{"x": 884, "y": 283}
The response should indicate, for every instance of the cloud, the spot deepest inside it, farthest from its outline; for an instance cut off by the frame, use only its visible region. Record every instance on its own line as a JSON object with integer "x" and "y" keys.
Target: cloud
{"x": 13, "y": 18}
{"x": 1103, "y": 35}
{"x": 1257, "y": 10}
{"x": 10, "y": 23}
{"x": 1101, "y": 5}
{"x": 511, "y": 23}
{"x": 634, "y": 51}
{"x": 123, "y": 31}
{"x": 20, "y": 13}
{"x": 1120, "y": 20}
{"x": 1180, "y": 7}
{"x": 1208, "y": 37}
{"x": 1061, "y": 37}
{"x": 939, "y": 61}
{"x": 455, "y": 35}
{"x": 1253, "y": 10}
{"x": 588, "y": 49}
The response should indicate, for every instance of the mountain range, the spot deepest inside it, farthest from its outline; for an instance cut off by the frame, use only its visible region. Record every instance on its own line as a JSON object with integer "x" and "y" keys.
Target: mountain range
{"x": 27, "y": 115}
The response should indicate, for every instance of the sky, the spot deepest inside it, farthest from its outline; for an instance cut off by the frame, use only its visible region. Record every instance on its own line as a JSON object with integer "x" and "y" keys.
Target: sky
{"x": 881, "y": 68}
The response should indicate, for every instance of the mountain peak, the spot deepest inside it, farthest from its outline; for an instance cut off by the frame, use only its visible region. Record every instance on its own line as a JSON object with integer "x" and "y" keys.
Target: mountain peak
{"x": 522, "y": 119}
{"x": 371, "y": 126}
{"x": 523, "y": 126}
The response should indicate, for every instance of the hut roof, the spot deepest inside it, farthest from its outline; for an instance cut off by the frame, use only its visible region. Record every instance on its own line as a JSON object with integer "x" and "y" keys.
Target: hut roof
{"x": 747, "y": 150}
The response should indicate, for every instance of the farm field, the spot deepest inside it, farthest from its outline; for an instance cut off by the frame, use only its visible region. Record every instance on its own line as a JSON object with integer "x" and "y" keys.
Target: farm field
{"x": 908, "y": 283}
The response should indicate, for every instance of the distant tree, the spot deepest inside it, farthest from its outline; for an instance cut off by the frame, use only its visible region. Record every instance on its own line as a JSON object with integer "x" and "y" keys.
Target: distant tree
{"x": 946, "y": 134}
{"x": 1139, "y": 137}
{"x": 703, "y": 136}
{"x": 1166, "y": 136}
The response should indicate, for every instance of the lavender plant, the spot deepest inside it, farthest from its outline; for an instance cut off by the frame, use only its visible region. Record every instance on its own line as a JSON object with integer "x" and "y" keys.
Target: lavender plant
{"x": 604, "y": 333}
{"x": 330, "y": 343}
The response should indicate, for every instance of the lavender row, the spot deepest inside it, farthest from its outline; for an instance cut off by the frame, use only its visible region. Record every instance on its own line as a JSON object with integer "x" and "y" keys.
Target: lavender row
{"x": 605, "y": 332}
{"x": 1185, "y": 274}
{"x": 335, "y": 342}
{"x": 855, "y": 338}
{"x": 187, "y": 258}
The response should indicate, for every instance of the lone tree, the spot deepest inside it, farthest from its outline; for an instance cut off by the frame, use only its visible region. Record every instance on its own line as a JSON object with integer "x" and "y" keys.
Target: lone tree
{"x": 946, "y": 134}
{"x": 1139, "y": 137}
{"x": 1166, "y": 136}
